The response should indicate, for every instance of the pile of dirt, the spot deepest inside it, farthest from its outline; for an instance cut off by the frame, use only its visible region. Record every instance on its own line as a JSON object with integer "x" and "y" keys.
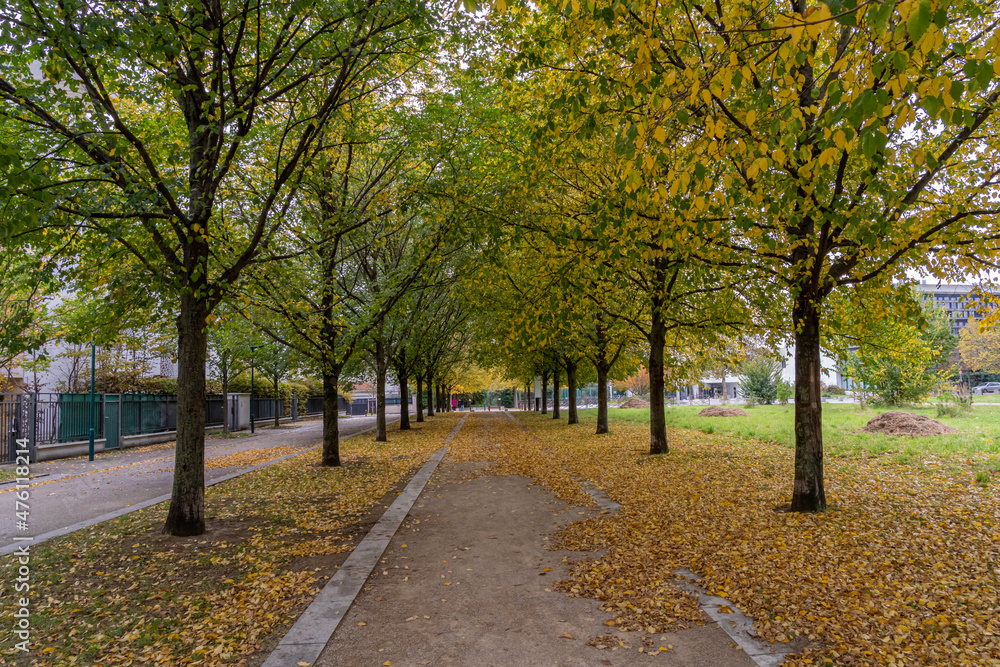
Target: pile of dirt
{"x": 905, "y": 423}
{"x": 634, "y": 402}
{"x": 716, "y": 411}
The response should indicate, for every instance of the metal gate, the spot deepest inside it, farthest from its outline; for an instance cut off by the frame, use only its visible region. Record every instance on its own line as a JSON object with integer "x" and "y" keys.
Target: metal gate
{"x": 17, "y": 426}
{"x": 112, "y": 421}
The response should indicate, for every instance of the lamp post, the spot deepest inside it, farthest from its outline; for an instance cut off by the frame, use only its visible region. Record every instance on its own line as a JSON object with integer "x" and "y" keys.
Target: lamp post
{"x": 252, "y": 348}
{"x": 93, "y": 362}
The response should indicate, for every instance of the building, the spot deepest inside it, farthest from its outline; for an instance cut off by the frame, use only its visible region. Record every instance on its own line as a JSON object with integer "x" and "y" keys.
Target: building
{"x": 830, "y": 374}
{"x": 960, "y": 302}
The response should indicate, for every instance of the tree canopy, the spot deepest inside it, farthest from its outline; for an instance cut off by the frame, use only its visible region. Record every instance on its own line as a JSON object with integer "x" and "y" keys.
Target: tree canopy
{"x": 561, "y": 190}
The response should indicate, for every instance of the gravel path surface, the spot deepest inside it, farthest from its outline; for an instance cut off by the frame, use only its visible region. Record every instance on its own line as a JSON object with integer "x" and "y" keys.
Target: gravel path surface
{"x": 468, "y": 580}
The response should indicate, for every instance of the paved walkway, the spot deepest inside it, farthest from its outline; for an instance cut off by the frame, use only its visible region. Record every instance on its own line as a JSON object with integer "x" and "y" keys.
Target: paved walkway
{"x": 467, "y": 580}
{"x": 76, "y": 490}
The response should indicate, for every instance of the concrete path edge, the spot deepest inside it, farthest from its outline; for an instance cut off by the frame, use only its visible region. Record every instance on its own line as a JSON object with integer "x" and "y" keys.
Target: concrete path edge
{"x": 44, "y": 537}
{"x": 309, "y": 634}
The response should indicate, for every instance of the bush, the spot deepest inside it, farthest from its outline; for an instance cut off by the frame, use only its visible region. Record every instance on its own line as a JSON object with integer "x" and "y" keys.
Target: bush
{"x": 784, "y": 392}
{"x": 759, "y": 380}
{"x": 953, "y": 404}
{"x": 946, "y": 410}
{"x": 835, "y": 390}
{"x": 156, "y": 385}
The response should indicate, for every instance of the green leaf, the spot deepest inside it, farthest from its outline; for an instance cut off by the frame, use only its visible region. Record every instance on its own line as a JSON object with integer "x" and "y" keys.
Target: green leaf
{"x": 882, "y": 13}
{"x": 919, "y": 20}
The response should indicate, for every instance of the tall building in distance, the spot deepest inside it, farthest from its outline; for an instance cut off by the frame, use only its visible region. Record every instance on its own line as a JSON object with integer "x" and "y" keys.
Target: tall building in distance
{"x": 961, "y": 302}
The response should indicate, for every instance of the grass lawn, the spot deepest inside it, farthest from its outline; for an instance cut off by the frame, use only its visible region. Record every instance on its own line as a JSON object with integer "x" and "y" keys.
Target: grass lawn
{"x": 978, "y": 439}
{"x": 122, "y": 593}
{"x": 901, "y": 569}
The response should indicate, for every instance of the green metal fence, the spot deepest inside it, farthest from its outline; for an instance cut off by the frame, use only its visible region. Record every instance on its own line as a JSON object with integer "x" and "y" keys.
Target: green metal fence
{"x": 74, "y": 417}
{"x": 148, "y": 413}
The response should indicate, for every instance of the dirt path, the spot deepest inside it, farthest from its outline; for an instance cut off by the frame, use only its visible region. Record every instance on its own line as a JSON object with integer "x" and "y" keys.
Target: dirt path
{"x": 467, "y": 580}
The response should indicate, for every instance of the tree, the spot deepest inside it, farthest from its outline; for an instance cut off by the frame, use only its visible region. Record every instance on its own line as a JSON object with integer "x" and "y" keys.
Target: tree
{"x": 276, "y": 362}
{"x": 822, "y": 146}
{"x": 367, "y": 233}
{"x": 759, "y": 377}
{"x": 979, "y": 346}
{"x": 638, "y": 384}
{"x": 25, "y": 284}
{"x": 229, "y": 353}
{"x": 901, "y": 359}
{"x": 164, "y": 113}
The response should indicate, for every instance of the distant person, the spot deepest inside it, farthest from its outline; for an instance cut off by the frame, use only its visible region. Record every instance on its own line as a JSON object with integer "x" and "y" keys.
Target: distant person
{"x": 454, "y": 403}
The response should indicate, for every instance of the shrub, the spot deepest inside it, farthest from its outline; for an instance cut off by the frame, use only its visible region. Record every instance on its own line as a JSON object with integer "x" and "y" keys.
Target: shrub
{"x": 785, "y": 390}
{"x": 835, "y": 390}
{"x": 759, "y": 380}
{"x": 953, "y": 404}
{"x": 947, "y": 410}
{"x": 156, "y": 385}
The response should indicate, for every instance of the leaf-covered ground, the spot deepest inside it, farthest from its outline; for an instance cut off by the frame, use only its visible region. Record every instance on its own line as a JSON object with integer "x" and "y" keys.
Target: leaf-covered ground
{"x": 121, "y": 593}
{"x": 904, "y": 569}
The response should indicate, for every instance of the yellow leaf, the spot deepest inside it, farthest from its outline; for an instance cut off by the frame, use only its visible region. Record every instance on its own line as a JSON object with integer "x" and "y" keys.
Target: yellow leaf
{"x": 660, "y": 134}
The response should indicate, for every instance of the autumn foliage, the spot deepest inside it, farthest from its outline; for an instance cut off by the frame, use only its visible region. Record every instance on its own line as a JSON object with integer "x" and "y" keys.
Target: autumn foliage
{"x": 897, "y": 572}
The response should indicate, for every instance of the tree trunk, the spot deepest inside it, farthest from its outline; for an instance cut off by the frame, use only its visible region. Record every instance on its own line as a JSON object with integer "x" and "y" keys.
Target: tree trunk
{"x": 186, "y": 515}
{"x": 277, "y": 413}
{"x": 430, "y": 394}
{"x": 420, "y": 399}
{"x": 571, "y": 384}
{"x": 380, "y": 373}
{"x": 555, "y": 394}
{"x": 331, "y": 413}
{"x": 725, "y": 389}
{"x": 808, "y": 494}
{"x": 602, "y": 399}
{"x": 225, "y": 398}
{"x": 545, "y": 393}
{"x": 657, "y": 416}
{"x": 404, "y": 400}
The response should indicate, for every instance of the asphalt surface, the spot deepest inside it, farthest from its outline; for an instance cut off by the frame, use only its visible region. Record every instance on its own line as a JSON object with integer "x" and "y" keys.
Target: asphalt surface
{"x": 69, "y": 491}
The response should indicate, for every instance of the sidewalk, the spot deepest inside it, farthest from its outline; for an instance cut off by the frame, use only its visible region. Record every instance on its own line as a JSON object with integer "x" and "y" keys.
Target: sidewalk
{"x": 468, "y": 580}
{"x": 76, "y": 490}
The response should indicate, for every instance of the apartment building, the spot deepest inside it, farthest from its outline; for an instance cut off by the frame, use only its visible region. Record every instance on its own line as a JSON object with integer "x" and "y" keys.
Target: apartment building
{"x": 960, "y": 302}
